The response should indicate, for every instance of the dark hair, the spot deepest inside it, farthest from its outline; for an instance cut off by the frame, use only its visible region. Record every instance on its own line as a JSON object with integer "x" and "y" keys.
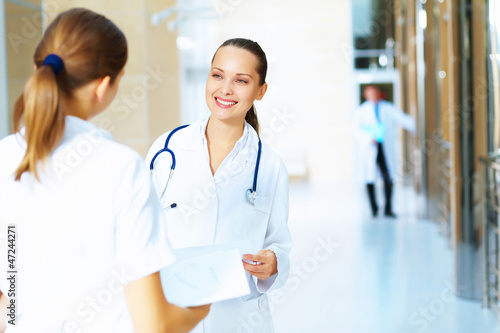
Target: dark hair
{"x": 91, "y": 47}
{"x": 256, "y": 50}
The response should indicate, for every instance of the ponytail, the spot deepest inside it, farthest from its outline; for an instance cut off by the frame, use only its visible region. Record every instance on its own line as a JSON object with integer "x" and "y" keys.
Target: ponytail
{"x": 43, "y": 118}
{"x": 251, "y": 118}
{"x": 78, "y": 47}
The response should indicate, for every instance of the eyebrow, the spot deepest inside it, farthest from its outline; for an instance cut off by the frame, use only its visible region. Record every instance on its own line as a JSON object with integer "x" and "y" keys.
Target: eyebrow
{"x": 220, "y": 69}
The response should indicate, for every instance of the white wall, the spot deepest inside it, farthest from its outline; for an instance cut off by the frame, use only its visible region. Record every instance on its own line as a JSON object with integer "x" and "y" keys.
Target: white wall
{"x": 306, "y": 109}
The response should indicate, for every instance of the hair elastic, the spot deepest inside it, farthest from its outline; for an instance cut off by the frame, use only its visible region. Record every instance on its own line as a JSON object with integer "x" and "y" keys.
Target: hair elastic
{"x": 55, "y": 62}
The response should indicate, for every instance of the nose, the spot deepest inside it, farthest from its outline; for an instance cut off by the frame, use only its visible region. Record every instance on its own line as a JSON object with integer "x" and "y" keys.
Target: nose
{"x": 227, "y": 87}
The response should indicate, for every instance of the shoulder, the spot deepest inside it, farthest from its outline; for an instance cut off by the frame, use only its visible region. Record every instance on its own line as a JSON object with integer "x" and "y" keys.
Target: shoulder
{"x": 363, "y": 107}
{"x": 97, "y": 159}
{"x": 12, "y": 150}
{"x": 117, "y": 168}
{"x": 12, "y": 143}
{"x": 178, "y": 139}
{"x": 272, "y": 157}
{"x": 271, "y": 163}
{"x": 388, "y": 105}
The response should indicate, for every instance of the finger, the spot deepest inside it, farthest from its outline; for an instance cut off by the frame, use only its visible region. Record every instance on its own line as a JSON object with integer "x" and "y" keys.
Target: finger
{"x": 251, "y": 257}
{"x": 265, "y": 252}
{"x": 256, "y": 257}
{"x": 265, "y": 270}
{"x": 252, "y": 268}
{"x": 261, "y": 276}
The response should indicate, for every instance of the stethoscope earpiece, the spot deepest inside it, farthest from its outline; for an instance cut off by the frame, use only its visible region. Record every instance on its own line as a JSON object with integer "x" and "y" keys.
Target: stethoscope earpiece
{"x": 251, "y": 195}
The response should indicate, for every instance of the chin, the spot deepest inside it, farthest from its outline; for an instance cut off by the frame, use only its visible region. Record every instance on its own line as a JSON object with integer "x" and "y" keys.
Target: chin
{"x": 220, "y": 115}
{"x": 225, "y": 117}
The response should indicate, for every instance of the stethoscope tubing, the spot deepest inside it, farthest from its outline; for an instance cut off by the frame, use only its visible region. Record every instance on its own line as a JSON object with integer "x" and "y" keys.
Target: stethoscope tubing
{"x": 166, "y": 149}
{"x": 251, "y": 193}
{"x": 256, "y": 172}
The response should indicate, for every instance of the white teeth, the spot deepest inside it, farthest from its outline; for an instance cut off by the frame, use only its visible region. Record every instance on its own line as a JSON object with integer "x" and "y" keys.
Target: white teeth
{"x": 225, "y": 103}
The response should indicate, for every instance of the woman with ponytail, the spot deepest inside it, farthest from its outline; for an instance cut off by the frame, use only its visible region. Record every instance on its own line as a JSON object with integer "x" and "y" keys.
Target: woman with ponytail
{"x": 80, "y": 208}
{"x": 218, "y": 195}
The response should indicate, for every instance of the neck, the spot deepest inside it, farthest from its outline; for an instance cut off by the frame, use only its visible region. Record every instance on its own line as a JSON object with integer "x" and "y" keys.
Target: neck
{"x": 224, "y": 132}
{"x": 72, "y": 108}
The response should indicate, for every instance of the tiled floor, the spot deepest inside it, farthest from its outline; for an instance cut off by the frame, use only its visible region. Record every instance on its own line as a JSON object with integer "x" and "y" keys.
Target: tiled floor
{"x": 353, "y": 273}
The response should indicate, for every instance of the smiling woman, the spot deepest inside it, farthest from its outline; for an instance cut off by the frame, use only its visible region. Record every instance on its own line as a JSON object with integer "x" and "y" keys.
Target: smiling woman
{"x": 244, "y": 76}
{"x": 232, "y": 87}
{"x": 217, "y": 159}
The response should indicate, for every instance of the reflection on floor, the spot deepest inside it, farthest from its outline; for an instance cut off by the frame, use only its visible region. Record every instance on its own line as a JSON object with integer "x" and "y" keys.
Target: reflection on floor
{"x": 354, "y": 273}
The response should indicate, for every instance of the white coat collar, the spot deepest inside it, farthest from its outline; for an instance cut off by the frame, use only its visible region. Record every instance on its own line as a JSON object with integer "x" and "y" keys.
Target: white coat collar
{"x": 193, "y": 137}
{"x": 74, "y": 127}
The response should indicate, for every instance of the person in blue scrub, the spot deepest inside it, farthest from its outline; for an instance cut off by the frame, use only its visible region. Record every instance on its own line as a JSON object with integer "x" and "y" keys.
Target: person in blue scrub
{"x": 376, "y": 126}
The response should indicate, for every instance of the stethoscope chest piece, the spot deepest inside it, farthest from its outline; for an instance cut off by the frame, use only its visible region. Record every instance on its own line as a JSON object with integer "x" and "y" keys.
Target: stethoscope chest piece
{"x": 251, "y": 195}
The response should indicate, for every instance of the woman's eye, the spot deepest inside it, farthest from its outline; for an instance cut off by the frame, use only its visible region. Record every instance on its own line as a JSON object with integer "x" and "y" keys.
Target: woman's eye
{"x": 241, "y": 81}
{"x": 217, "y": 76}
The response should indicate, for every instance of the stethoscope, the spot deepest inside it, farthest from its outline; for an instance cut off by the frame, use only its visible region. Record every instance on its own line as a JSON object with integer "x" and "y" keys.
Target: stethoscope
{"x": 251, "y": 192}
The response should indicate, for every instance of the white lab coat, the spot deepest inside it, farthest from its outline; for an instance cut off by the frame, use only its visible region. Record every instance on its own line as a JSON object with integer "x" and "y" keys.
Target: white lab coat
{"x": 91, "y": 226}
{"x": 213, "y": 209}
{"x": 393, "y": 119}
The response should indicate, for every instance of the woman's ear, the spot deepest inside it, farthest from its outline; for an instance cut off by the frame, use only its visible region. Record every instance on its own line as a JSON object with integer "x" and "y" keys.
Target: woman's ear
{"x": 262, "y": 92}
{"x": 102, "y": 88}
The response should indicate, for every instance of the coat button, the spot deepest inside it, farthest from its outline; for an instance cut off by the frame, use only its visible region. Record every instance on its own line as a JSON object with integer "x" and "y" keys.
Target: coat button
{"x": 263, "y": 303}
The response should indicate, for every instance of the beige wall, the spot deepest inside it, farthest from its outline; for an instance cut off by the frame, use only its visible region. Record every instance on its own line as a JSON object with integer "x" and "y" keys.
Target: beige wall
{"x": 305, "y": 113}
{"x": 309, "y": 77}
{"x": 148, "y": 99}
{"x": 23, "y": 27}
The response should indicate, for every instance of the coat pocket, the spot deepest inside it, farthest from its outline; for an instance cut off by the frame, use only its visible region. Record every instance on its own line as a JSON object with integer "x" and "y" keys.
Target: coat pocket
{"x": 263, "y": 204}
{"x": 253, "y": 220}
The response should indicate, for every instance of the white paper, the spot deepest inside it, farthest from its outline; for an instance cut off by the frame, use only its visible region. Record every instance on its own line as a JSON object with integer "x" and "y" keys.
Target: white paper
{"x": 244, "y": 247}
{"x": 205, "y": 279}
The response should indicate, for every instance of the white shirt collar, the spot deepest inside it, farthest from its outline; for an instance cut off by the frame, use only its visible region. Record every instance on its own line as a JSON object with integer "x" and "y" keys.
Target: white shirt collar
{"x": 239, "y": 144}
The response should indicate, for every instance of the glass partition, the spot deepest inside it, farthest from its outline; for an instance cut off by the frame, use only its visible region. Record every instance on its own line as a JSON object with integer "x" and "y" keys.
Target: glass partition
{"x": 494, "y": 76}
{"x": 373, "y": 33}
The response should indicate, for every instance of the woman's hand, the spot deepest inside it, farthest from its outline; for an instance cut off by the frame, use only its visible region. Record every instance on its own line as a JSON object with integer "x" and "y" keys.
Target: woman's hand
{"x": 268, "y": 264}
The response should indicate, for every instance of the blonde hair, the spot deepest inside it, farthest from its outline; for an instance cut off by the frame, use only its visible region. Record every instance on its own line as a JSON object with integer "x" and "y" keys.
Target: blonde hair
{"x": 91, "y": 47}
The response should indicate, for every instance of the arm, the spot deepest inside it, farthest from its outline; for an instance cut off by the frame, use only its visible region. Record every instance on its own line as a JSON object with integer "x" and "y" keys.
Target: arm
{"x": 151, "y": 312}
{"x": 275, "y": 262}
{"x": 404, "y": 120}
{"x": 3, "y": 312}
{"x": 142, "y": 249}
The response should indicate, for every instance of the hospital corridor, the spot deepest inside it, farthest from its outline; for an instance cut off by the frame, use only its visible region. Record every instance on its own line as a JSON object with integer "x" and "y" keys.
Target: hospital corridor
{"x": 250, "y": 166}
{"x": 355, "y": 273}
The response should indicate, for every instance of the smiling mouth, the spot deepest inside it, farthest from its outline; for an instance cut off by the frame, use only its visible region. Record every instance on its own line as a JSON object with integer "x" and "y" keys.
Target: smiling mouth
{"x": 225, "y": 103}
